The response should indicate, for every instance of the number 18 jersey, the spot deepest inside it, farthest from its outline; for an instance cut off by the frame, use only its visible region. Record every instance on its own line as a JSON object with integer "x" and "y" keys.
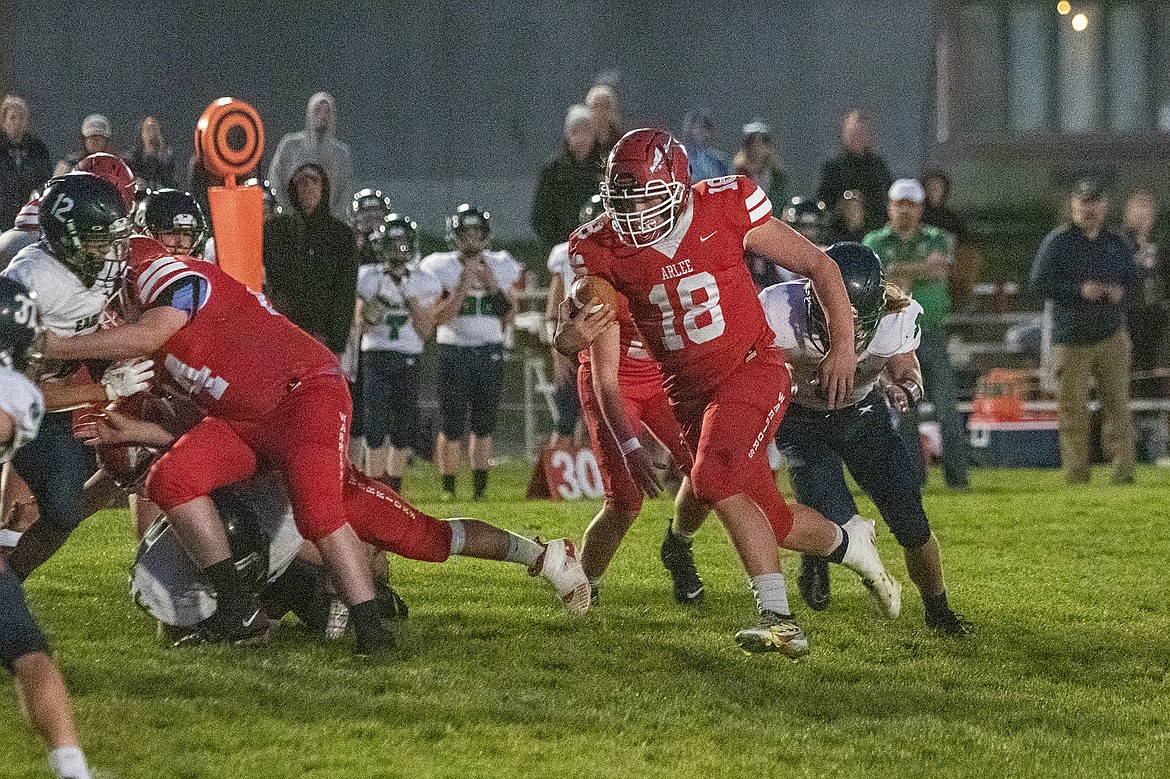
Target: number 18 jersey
{"x": 690, "y": 294}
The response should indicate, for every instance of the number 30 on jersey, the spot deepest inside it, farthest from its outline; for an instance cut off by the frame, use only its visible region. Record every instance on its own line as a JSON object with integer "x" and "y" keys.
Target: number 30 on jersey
{"x": 696, "y": 295}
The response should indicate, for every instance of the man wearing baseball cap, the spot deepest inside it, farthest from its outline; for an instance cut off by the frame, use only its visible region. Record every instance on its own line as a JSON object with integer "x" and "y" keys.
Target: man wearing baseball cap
{"x": 917, "y": 257}
{"x": 1084, "y": 271}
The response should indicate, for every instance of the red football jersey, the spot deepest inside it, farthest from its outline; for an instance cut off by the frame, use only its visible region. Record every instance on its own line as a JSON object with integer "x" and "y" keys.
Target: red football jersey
{"x": 690, "y": 294}
{"x": 236, "y": 357}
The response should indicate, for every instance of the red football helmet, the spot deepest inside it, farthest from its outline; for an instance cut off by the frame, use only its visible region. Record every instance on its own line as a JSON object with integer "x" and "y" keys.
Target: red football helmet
{"x": 114, "y": 170}
{"x": 646, "y": 186}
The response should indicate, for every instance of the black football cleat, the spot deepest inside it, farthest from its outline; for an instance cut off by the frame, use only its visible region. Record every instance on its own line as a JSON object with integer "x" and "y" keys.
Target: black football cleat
{"x": 813, "y": 581}
{"x": 252, "y": 629}
{"x": 679, "y": 559}
{"x": 950, "y": 625}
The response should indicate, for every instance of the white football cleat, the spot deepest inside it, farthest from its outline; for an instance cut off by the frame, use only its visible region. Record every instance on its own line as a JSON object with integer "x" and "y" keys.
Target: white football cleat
{"x": 862, "y": 558}
{"x": 561, "y": 567}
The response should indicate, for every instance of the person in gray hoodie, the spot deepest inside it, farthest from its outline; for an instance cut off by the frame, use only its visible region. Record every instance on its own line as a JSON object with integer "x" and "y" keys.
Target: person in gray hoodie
{"x": 317, "y": 143}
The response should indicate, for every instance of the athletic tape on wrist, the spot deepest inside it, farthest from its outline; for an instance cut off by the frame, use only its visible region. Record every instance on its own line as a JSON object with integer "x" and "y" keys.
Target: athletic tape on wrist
{"x": 629, "y": 446}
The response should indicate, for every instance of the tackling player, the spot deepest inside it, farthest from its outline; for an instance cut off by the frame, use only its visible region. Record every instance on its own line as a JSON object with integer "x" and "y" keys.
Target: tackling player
{"x": 816, "y": 438}
{"x": 675, "y": 252}
{"x": 23, "y": 648}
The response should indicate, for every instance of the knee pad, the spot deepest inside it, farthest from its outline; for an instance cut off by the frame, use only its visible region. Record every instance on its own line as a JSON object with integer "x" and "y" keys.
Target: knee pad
{"x": 911, "y": 532}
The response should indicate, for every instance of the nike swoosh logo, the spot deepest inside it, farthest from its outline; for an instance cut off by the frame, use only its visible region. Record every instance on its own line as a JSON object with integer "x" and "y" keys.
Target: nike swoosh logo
{"x": 705, "y": 237}
{"x": 695, "y": 594}
{"x": 248, "y": 622}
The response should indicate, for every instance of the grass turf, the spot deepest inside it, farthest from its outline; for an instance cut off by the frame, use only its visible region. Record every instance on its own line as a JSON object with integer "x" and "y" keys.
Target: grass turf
{"x": 1067, "y": 676}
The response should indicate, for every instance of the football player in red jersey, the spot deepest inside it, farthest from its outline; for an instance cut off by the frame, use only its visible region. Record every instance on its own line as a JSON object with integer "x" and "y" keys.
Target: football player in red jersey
{"x": 675, "y": 252}
{"x": 271, "y": 392}
{"x": 638, "y": 380}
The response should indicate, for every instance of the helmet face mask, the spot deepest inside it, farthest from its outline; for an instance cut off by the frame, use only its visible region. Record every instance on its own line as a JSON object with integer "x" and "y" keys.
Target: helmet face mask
{"x": 396, "y": 243}
{"x": 646, "y": 186}
{"x": 469, "y": 230}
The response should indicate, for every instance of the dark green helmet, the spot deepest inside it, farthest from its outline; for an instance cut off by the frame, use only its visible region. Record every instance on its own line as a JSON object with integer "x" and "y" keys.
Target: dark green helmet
{"x": 85, "y": 223}
{"x": 170, "y": 216}
{"x": 865, "y": 282}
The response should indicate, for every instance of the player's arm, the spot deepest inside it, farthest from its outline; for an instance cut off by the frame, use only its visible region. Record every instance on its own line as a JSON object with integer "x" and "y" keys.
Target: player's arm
{"x": 448, "y": 306}
{"x": 422, "y": 316}
{"x": 901, "y": 380}
{"x": 604, "y": 357}
{"x": 146, "y": 336}
{"x": 60, "y": 396}
{"x": 578, "y": 330}
{"x": 789, "y": 249}
{"x": 114, "y": 428}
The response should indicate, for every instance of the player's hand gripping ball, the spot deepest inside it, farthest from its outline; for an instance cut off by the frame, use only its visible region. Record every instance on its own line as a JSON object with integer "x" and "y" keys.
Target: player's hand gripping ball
{"x": 589, "y": 288}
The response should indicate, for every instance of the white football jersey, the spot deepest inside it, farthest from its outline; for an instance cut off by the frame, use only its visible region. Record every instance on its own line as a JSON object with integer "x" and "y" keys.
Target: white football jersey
{"x": 67, "y": 306}
{"x": 395, "y": 328}
{"x": 784, "y": 305}
{"x": 559, "y": 265}
{"x": 22, "y": 401}
{"x": 477, "y": 324}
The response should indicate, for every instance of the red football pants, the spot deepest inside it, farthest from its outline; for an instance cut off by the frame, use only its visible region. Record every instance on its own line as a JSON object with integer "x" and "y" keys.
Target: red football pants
{"x": 645, "y": 403}
{"x": 729, "y": 432}
{"x": 304, "y": 438}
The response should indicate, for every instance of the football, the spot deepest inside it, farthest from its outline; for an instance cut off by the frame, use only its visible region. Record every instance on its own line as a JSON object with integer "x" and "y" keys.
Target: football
{"x": 589, "y": 288}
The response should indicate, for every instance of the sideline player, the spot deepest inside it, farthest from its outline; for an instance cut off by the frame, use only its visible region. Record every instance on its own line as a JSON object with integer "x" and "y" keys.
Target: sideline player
{"x": 24, "y": 650}
{"x": 676, "y": 253}
{"x": 395, "y": 317}
{"x": 479, "y": 299}
{"x": 816, "y": 439}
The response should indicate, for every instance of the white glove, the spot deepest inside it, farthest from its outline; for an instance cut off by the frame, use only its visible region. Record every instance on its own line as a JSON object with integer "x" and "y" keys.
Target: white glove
{"x": 128, "y": 378}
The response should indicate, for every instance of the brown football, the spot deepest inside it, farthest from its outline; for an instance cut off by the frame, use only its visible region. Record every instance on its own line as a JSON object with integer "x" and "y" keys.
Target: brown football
{"x": 587, "y": 288}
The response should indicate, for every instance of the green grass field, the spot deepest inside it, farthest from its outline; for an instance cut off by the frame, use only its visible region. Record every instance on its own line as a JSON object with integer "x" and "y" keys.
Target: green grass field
{"x": 1069, "y": 674}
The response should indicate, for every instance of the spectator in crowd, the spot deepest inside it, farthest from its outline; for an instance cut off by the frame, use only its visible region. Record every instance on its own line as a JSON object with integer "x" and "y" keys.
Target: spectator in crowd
{"x": 310, "y": 261}
{"x": 757, "y": 158}
{"x": 1084, "y": 271}
{"x": 847, "y": 218}
{"x": 1147, "y": 306}
{"x": 706, "y": 161}
{"x": 317, "y": 143}
{"x": 152, "y": 159}
{"x": 917, "y": 257}
{"x": 602, "y": 102}
{"x": 97, "y": 134}
{"x": 857, "y": 167}
{"x": 478, "y": 300}
{"x": 25, "y": 163}
{"x": 568, "y": 181}
{"x": 936, "y": 183}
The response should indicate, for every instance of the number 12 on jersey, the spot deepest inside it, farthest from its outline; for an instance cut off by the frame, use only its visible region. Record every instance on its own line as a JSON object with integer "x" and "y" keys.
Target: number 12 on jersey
{"x": 692, "y": 310}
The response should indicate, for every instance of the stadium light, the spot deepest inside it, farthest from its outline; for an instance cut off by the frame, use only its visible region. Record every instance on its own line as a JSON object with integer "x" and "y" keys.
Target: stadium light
{"x": 1080, "y": 22}
{"x": 1063, "y": 7}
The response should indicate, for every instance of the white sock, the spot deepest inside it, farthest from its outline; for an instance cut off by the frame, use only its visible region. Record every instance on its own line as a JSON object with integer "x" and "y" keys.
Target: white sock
{"x": 9, "y": 538}
{"x": 771, "y": 593}
{"x": 69, "y": 763}
{"x": 523, "y": 550}
{"x": 458, "y": 536}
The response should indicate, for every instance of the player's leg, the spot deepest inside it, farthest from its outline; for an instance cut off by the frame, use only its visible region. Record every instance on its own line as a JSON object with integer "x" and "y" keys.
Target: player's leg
{"x": 404, "y": 415}
{"x": 454, "y": 390}
{"x": 818, "y": 480}
{"x": 483, "y": 411}
{"x": 677, "y": 550}
{"x": 39, "y": 685}
{"x": 305, "y": 438}
{"x": 375, "y": 411}
{"x": 383, "y": 518}
{"x": 209, "y": 456}
{"x": 623, "y": 498}
{"x": 55, "y": 465}
{"x": 938, "y": 378}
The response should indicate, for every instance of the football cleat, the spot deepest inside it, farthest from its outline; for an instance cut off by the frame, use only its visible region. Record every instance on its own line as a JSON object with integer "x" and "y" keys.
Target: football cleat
{"x": 679, "y": 559}
{"x": 390, "y": 604}
{"x": 862, "y": 558}
{"x": 951, "y": 625}
{"x": 773, "y": 633}
{"x": 814, "y": 581}
{"x": 250, "y": 630}
{"x": 560, "y": 566}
